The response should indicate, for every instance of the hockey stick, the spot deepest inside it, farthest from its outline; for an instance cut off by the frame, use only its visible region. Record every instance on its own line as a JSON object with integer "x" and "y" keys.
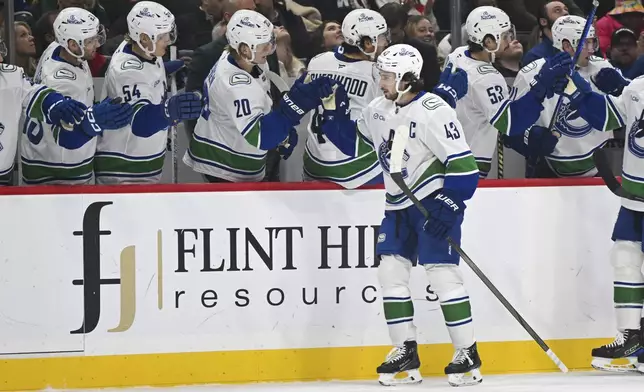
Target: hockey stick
{"x": 532, "y": 164}
{"x": 401, "y": 135}
{"x": 499, "y": 156}
{"x": 173, "y": 128}
{"x": 603, "y": 168}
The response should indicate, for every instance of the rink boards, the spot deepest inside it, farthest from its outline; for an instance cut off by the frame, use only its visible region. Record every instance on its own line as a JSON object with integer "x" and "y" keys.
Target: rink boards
{"x": 167, "y": 285}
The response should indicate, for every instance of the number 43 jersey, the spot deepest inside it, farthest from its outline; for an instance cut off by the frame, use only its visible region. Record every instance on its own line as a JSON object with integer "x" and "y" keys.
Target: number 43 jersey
{"x": 486, "y": 92}
{"x": 122, "y": 155}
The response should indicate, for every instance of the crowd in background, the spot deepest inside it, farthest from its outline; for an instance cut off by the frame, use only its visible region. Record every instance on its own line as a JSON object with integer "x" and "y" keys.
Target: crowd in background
{"x": 306, "y": 28}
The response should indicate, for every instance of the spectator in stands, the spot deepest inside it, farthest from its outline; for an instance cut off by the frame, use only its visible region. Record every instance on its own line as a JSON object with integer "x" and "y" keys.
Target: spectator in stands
{"x": 627, "y": 13}
{"x": 93, "y": 6}
{"x": 326, "y": 37}
{"x": 419, "y": 26}
{"x": 548, "y": 14}
{"x": 196, "y": 28}
{"x": 396, "y": 16}
{"x": 522, "y": 19}
{"x": 279, "y": 15}
{"x": 623, "y": 50}
{"x": 508, "y": 62}
{"x": 25, "y": 48}
{"x": 335, "y": 9}
{"x": 43, "y": 32}
{"x": 290, "y": 66}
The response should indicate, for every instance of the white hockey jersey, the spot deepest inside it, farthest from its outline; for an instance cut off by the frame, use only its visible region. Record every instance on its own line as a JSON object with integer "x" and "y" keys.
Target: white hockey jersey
{"x": 16, "y": 93}
{"x": 486, "y": 93}
{"x": 322, "y": 159}
{"x": 436, "y": 147}
{"x": 123, "y": 157}
{"x": 43, "y": 159}
{"x": 572, "y": 156}
{"x": 630, "y": 106}
{"x": 225, "y": 142}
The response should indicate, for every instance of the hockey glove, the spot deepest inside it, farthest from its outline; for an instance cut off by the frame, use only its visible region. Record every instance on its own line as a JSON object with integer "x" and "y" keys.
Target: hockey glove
{"x": 184, "y": 106}
{"x": 577, "y": 89}
{"x": 286, "y": 148}
{"x": 540, "y": 142}
{"x": 444, "y": 212}
{"x": 551, "y": 77}
{"x": 336, "y": 105}
{"x": 304, "y": 97}
{"x": 451, "y": 86}
{"x": 106, "y": 115}
{"x": 65, "y": 111}
{"x": 610, "y": 81}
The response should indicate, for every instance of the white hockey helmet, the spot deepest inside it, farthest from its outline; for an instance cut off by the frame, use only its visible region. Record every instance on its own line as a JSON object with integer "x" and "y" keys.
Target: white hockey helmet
{"x": 153, "y": 20}
{"x": 364, "y": 23}
{"x": 401, "y": 59}
{"x": 484, "y": 21}
{"x": 570, "y": 28}
{"x": 79, "y": 25}
{"x": 252, "y": 29}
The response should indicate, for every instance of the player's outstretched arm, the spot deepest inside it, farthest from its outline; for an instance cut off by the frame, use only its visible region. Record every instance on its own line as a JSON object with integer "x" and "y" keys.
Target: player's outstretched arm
{"x": 516, "y": 115}
{"x": 452, "y": 86}
{"x": 149, "y": 118}
{"x": 110, "y": 114}
{"x": 602, "y": 112}
{"x": 338, "y": 126}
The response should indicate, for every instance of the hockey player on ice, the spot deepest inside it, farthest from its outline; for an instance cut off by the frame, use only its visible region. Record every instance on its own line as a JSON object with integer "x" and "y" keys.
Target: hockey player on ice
{"x": 488, "y": 104}
{"x": 39, "y": 102}
{"x": 572, "y": 154}
{"x": 352, "y": 65}
{"x": 50, "y": 154}
{"x": 237, "y": 126}
{"x": 136, "y": 74}
{"x": 606, "y": 112}
{"x": 441, "y": 171}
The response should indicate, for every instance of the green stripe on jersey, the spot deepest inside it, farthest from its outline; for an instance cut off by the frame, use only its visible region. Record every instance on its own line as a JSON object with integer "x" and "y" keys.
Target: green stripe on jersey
{"x": 612, "y": 119}
{"x": 253, "y": 135}
{"x": 44, "y": 172}
{"x": 484, "y": 167}
{"x": 502, "y": 123}
{"x": 572, "y": 168}
{"x": 462, "y": 166}
{"x": 435, "y": 168}
{"x": 107, "y": 164}
{"x": 36, "y": 108}
{"x": 632, "y": 186}
{"x": 211, "y": 153}
{"x": 343, "y": 171}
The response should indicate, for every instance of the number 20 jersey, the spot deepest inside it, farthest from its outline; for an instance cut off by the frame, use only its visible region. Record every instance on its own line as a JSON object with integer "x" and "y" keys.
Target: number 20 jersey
{"x": 487, "y": 90}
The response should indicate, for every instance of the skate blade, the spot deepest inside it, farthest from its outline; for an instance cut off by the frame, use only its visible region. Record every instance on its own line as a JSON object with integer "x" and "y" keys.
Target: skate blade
{"x": 389, "y": 379}
{"x": 465, "y": 379}
{"x": 618, "y": 365}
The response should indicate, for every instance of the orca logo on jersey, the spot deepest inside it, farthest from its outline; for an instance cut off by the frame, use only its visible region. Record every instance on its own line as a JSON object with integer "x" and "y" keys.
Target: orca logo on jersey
{"x": 636, "y": 132}
{"x": 570, "y": 124}
{"x": 384, "y": 156}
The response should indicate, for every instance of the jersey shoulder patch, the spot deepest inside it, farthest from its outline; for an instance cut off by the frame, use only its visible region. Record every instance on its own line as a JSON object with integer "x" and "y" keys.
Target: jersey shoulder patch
{"x": 239, "y": 78}
{"x": 8, "y": 68}
{"x": 65, "y": 74}
{"x": 135, "y": 64}
{"x": 486, "y": 69}
{"x": 432, "y": 102}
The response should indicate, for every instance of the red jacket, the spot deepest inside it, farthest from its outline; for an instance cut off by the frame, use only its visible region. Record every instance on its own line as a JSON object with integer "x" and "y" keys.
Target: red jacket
{"x": 604, "y": 30}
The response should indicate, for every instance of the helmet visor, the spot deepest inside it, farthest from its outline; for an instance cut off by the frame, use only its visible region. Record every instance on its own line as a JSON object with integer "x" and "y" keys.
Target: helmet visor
{"x": 170, "y": 37}
{"x": 509, "y": 35}
{"x": 97, "y": 40}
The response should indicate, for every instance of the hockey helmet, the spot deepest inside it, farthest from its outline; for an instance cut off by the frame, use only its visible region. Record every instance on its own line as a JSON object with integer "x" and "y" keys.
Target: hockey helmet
{"x": 489, "y": 21}
{"x": 364, "y": 23}
{"x": 80, "y": 26}
{"x": 401, "y": 59}
{"x": 570, "y": 28}
{"x": 252, "y": 29}
{"x": 153, "y": 20}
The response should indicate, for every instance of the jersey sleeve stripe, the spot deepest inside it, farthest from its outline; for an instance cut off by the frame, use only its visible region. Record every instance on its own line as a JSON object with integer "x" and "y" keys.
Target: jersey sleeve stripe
{"x": 458, "y": 155}
{"x": 614, "y": 118}
{"x": 35, "y": 103}
{"x": 250, "y": 126}
{"x": 224, "y": 147}
{"x": 462, "y": 166}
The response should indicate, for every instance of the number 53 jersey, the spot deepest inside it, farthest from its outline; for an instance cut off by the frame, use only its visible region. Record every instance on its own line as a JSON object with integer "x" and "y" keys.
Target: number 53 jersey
{"x": 486, "y": 93}
{"x": 126, "y": 155}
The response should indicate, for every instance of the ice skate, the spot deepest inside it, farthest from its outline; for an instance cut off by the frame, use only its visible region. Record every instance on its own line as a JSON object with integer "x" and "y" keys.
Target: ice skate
{"x": 464, "y": 368}
{"x": 401, "y": 359}
{"x": 621, "y": 355}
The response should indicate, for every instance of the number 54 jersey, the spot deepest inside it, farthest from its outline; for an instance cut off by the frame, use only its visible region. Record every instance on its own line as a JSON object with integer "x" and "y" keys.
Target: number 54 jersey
{"x": 130, "y": 155}
{"x": 486, "y": 93}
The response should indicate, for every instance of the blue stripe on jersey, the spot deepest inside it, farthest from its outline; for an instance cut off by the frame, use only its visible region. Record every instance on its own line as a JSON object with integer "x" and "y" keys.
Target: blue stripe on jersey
{"x": 129, "y": 157}
{"x": 338, "y": 180}
{"x": 577, "y": 157}
{"x": 129, "y": 175}
{"x": 56, "y": 164}
{"x": 50, "y": 179}
{"x": 422, "y": 185}
{"x": 317, "y": 160}
{"x": 631, "y": 177}
{"x": 460, "y": 154}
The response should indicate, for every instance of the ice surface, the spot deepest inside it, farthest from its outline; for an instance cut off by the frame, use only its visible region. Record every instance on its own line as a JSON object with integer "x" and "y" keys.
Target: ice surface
{"x": 544, "y": 382}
